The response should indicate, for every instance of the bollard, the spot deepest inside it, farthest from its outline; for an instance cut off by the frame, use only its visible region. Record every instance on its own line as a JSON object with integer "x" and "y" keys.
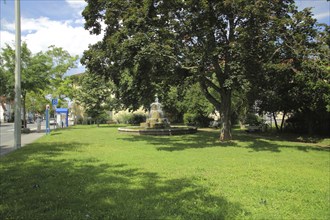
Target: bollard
{"x": 38, "y": 124}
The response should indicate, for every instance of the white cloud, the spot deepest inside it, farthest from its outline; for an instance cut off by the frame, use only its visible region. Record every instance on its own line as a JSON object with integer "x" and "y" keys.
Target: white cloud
{"x": 322, "y": 15}
{"x": 31, "y": 24}
{"x": 320, "y": 9}
{"x": 5, "y": 25}
{"x": 42, "y": 32}
{"x": 80, "y": 21}
{"x": 76, "y": 4}
{"x": 6, "y": 38}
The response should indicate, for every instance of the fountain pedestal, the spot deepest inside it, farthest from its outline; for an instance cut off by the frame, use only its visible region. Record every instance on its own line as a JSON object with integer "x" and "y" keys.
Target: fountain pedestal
{"x": 156, "y": 119}
{"x": 157, "y": 124}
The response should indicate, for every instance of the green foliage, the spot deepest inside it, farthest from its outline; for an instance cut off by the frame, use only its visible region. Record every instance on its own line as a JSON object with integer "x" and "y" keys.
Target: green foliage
{"x": 187, "y": 98}
{"x": 80, "y": 121}
{"x": 295, "y": 76}
{"x": 62, "y": 62}
{"x": 35, "y": 72}
{"x": 150, "y": 46}
{"x": 41, "y": 75}
{"x": 196, "y": 120}
{"x": 302, "y": 122}
{"x": 135, "y": 118}
{"x": 4, "y": 80}
{"x": 189, "y": 119}
{"x": 123, "y": 117}
{"x": 253, "y": 119}
{"x": 36, "y": 102}
{"x": 132, "y": 54}
{"x": 35, "y": 69}
{"x": 195, "y": 102}
{"x": 102, "y": 118}
{"x": 94, "y": 94}
{"x": 173, "y": 105}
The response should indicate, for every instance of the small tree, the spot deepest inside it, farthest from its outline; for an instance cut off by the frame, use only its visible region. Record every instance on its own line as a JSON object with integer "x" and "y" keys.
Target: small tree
{"x": 94, "y": 94}
{"x": 60, "y": 86}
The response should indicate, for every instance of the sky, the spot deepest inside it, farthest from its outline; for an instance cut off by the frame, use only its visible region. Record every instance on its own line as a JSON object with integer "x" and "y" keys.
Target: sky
{"x": 60, "y": 23}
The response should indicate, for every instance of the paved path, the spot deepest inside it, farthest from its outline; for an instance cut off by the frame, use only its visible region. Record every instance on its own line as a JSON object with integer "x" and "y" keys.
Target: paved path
{"x": 8, "y": 146}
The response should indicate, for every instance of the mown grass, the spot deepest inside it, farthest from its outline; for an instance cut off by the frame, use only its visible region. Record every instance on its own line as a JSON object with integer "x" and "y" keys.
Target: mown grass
{"x": 97, "y": 173}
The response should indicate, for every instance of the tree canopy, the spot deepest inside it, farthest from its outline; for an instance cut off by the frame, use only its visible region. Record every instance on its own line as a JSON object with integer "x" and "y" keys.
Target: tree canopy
{"x": 94, "y": 94}
{"x": 41, "y": 73}
{"x": 221, "y": 45}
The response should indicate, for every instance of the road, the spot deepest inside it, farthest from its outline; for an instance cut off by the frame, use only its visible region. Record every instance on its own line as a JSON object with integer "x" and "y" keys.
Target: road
{"x": 7, "y": 131}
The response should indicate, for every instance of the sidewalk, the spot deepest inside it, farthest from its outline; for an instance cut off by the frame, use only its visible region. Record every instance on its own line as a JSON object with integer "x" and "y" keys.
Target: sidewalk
{"x": 8, "y": 147}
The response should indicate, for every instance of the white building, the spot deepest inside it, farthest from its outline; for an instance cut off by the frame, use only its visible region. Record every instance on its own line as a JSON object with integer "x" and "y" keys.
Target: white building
{"x": 5, "y": 110}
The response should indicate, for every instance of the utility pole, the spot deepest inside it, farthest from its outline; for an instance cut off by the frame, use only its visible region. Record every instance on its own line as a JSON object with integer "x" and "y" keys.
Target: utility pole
{"x": 18, "y": 122}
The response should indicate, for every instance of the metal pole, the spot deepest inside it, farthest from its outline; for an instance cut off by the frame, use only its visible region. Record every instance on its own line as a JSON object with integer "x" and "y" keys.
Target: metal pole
{"x": 18, "y": 122}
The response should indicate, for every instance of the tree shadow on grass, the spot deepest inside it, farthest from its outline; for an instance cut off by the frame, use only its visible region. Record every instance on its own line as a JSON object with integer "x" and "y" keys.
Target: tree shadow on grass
{"x": 50, "y": 188}
{"x": 85, "y": 126}
{"x": 201, "y": 139}
{"x": 207, "y": 139}
{"x": 258, "y": 142}
{"x": 44, "y": 149}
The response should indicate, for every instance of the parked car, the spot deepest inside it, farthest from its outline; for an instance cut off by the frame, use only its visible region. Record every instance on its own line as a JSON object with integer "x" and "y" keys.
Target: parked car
{"x": 52, "y": 121}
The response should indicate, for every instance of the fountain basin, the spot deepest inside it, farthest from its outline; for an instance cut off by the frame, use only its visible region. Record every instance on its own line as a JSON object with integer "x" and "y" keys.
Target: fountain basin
{"x": 162, "y": 131}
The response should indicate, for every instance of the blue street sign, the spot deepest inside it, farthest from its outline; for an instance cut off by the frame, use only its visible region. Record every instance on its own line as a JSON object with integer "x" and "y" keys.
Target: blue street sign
{"x": 54, "y": 102}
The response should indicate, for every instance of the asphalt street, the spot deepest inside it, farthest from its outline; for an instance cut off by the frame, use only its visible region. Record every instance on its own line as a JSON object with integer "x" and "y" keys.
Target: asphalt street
{"x": 7, "y": 137}
{"x": 7, "y": 131}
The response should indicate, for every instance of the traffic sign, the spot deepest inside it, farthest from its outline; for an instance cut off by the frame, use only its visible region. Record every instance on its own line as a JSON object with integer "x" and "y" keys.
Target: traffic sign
{"x": 54, "y": 102}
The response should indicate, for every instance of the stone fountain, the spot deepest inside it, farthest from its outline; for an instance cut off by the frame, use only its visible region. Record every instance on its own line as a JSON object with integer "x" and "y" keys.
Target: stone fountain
{"x": 156, "y": 118}
{"x": 157, "y": 124}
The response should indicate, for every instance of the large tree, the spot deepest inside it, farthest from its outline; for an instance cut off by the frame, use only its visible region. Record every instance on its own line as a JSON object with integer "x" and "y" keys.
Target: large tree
{"x": 35, "y": 71}
{"x": 153, "y": 43}
{"x": 296, "y": 72}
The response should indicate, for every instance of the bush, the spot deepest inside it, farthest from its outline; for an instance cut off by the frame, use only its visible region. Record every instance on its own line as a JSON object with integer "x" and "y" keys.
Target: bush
{"x": 311, "y": 123}
{"x": 189, "y": 119}
{"x": 253, "y": 120}
{"x": 80, "y": 121}
{"x": 103, "y": 118}
{"x": 137, "y": 118}
{"x": 123, "y": 117}
{"x": 196, "y": 120}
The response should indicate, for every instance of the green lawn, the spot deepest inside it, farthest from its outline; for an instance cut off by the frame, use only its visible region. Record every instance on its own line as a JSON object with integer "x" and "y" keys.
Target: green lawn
{"x": 97, "y": 173}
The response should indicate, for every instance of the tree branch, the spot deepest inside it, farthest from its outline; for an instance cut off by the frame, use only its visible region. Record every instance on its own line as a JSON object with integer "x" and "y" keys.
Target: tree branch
{"x": 208, "y": 96}
{"x": 209, "y": 83}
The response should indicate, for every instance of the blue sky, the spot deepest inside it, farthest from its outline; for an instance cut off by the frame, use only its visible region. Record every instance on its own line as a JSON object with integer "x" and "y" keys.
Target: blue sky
{"x": 59, "y": 23}
{"x": 48, "y": 22}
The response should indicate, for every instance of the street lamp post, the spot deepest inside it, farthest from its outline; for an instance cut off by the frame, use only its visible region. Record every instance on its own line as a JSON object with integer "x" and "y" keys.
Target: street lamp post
{"x": 18, "y": 122}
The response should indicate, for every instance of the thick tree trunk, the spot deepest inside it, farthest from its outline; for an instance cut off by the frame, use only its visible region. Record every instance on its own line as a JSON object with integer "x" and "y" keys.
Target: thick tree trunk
{"x": 225, "y": 134}
{"x": 274, "y": 116}
{"x": 282, "y": 122}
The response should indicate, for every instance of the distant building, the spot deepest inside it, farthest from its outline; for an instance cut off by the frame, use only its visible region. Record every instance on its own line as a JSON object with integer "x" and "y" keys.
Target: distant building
{"x": 6, "y": 109}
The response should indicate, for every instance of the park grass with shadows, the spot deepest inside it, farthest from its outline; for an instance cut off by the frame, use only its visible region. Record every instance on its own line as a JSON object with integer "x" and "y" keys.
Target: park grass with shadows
{"x": 86, "y": 172}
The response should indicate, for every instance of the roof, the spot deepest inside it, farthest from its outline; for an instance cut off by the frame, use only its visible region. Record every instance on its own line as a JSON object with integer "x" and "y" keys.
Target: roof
{"x": 62, "y": 110}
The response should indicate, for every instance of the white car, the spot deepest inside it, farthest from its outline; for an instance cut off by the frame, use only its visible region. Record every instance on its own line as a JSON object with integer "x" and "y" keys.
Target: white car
{"x": 52, "y": 121}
